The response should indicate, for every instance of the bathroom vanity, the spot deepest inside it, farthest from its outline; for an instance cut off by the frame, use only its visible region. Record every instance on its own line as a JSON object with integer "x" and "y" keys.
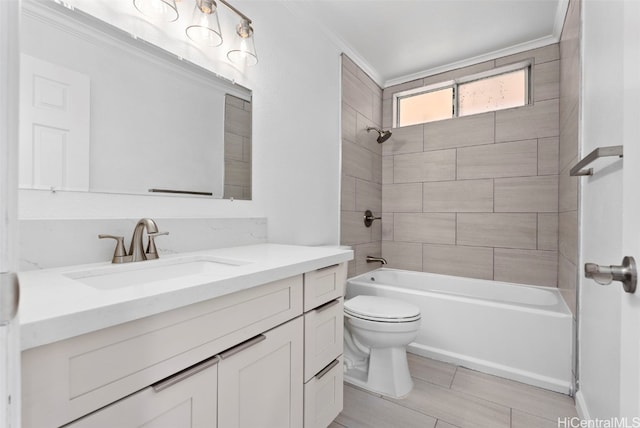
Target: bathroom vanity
{"x": 238, "y": 337}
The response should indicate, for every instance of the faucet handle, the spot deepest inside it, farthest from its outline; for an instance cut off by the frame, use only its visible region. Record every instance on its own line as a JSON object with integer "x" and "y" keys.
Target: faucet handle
{"x": 119, "y": 254}
{"x": 152, "y": 252}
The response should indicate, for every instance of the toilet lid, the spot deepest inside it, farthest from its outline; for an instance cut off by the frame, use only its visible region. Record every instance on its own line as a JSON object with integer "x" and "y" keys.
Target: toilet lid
{"x": 383, "y": 309}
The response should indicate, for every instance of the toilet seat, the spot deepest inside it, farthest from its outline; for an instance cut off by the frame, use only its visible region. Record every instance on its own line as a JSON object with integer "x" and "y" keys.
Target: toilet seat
{"x": 381, "y": 309}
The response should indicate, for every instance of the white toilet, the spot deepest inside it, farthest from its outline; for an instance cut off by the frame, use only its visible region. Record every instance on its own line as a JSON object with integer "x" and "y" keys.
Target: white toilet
{"x": 376, "y": 334}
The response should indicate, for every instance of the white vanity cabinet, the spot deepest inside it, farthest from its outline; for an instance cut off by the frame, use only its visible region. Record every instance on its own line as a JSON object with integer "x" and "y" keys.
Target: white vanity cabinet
{"x": 323, "y": 344}
{"x": 261, "y": 386}
{"x": 69, "y": 379}
{"x": 252, "y": 358}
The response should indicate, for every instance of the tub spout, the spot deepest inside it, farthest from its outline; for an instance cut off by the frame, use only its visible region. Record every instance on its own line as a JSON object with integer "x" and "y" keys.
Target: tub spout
{"x": 372, "y": 259}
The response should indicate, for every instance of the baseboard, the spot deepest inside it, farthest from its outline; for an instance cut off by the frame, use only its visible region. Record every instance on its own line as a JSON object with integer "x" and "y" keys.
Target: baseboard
{"x": 581, "y": 406}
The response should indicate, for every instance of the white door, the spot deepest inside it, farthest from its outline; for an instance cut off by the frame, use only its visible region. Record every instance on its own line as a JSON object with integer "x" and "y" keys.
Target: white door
{"x": 630, "y": 305}
{"x": 54, "y": 126}
{"x": 9, "y": 332}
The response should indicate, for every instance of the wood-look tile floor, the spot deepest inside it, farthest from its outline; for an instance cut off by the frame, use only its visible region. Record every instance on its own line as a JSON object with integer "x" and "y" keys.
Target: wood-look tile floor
{"x": 447, "y": 396}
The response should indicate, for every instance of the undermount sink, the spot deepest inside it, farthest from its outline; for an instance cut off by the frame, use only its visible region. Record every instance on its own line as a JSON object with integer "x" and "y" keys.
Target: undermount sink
{"x": 130, "y": 274}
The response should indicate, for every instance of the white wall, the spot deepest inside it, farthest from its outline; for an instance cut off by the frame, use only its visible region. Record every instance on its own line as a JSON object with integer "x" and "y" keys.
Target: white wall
{"x": 601, "y": 202}
{"x": 296, "y": 142}
{"x": 296, "y": 126}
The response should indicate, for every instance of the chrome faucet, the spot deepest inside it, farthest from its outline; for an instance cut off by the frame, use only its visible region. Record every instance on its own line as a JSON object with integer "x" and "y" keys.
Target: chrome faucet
{"x": 137, "y": 252}
{"x": 372, "y": 259}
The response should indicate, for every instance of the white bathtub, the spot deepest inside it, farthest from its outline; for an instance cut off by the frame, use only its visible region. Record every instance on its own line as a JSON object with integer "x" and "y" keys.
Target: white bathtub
{"x": 519, "y": 332}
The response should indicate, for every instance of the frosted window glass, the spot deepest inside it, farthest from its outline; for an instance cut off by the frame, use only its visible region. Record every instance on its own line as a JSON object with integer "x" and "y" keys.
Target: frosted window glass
{"x": 427, "y": 107}
{"x": 493, "y": 93}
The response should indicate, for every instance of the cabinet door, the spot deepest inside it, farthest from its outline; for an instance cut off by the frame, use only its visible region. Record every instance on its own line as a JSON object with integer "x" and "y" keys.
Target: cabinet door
{"x": 260, "y": 383}
{"x": 185, "y": 400}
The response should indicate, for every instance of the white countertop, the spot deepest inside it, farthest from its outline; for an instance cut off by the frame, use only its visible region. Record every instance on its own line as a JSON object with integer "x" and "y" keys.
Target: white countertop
{"x": 54, "y": 307}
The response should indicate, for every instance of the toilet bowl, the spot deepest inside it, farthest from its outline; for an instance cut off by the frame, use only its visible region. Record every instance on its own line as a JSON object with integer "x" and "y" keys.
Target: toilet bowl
{"x": 377, "y": 331}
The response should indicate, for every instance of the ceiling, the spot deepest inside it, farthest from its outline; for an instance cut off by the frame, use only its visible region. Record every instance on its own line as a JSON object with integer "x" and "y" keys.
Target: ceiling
{"x": 400, "y": 40}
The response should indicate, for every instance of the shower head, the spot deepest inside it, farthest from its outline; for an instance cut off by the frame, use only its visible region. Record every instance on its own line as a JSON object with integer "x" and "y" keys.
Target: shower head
{"x": 382, "y": 135}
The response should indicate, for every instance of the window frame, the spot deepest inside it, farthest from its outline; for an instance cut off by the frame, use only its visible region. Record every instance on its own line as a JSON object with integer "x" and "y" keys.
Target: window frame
{"x": 526, "y": 65}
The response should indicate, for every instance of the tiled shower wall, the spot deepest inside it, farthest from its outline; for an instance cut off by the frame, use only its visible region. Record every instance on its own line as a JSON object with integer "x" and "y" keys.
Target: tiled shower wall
{"x": 237, "y": 148}
{"x": 361, "y": 166}
{"x": 477, "y": 196}
{"x": 570, "y": 78}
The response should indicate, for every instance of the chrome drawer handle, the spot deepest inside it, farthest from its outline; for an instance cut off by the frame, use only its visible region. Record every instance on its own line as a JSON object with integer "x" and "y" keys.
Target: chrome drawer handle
{"x": 241, "y": 347}
{"x": 328, "y": 267}
{"x": 327, "y": 305}
{"x": 327, "y": 369}
{"x": 185, "y": 374}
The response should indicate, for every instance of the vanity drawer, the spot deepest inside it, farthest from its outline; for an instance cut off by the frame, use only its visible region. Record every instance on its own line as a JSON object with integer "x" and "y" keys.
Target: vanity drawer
{"x": 189, "y": 402}
{"x": 323, "y": 285}
{"x": 68, "y": 379}
{"x": 323, "y": 396}
{"x": 323, "y": 336}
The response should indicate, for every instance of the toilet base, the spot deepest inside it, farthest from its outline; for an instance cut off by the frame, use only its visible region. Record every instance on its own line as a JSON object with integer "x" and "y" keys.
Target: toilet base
{"x": 387, "y": 373}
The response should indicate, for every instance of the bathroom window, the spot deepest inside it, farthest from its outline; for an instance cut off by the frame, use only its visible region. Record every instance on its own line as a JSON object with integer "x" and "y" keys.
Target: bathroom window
{"x": 496, "y": 89}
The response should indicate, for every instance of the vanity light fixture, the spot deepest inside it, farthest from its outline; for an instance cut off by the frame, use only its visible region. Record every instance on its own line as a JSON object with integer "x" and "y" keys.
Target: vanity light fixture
{"x": 165, "y": 10}
{"x": 204, "y": 27}
{"x": 243, "y": 51}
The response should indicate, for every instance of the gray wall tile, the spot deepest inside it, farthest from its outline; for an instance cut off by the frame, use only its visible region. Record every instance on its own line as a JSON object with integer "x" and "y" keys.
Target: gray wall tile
{"x": 546, "y": 81}
{"x": 357, "y": 161}
{"x": 407, "y": 139}
{"x": 497, "y": 230}
{"x": 540, "y": 55}
{"x": 426, "y": 166}
{"x": 348, "y": 193}
{"x": 526, "y": 194}
{"x": 368, "y": 196}
{"x": 387, "y": 169}
{"x": 352, "y": 229}
{"x": 548, "y": 149}
{"x": 361, "y": 252}
{"x": 568, "y": 190}
{"x": 459, "y": 132}
{"x": 403, "y": 255}
{"x": 387, "y": 226}
{"x": 349, "y": 124}
{"x": 515, "y": 159}
{"x": 470, "y": 262}
{"x": 526, "y": 266}
{"x": 458, "y": 196}
{"x": 568, "y": 235}
{"x": 548, "y": 231}
{"x": 535, "y": 121}
{"x": 425, "y": 228}
{"x": 364, "y": 138}
{"x": 356, "y": 94}
{"x": 402, "y": 198}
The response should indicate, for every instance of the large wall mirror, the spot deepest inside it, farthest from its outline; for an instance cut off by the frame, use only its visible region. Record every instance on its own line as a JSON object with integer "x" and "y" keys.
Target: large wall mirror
{"x": 102, "y": 111}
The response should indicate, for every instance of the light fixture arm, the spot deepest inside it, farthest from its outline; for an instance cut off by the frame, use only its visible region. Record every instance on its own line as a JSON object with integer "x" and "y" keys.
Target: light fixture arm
{"x": 236, "y": 11}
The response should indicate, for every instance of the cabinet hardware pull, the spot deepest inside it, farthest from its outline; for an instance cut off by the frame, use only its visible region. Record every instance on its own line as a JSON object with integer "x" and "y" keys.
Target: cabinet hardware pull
{"x": 328, "y": 267}
{"x": 241, "y": 347}
{"x": 185, "y": 374}
{"x": 327, "y": 305}
{"x": 327, "y": 369}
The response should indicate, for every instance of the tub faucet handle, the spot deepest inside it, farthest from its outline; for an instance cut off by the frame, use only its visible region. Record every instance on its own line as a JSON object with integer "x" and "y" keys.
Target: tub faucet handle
{"x": 369, "y": 217}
